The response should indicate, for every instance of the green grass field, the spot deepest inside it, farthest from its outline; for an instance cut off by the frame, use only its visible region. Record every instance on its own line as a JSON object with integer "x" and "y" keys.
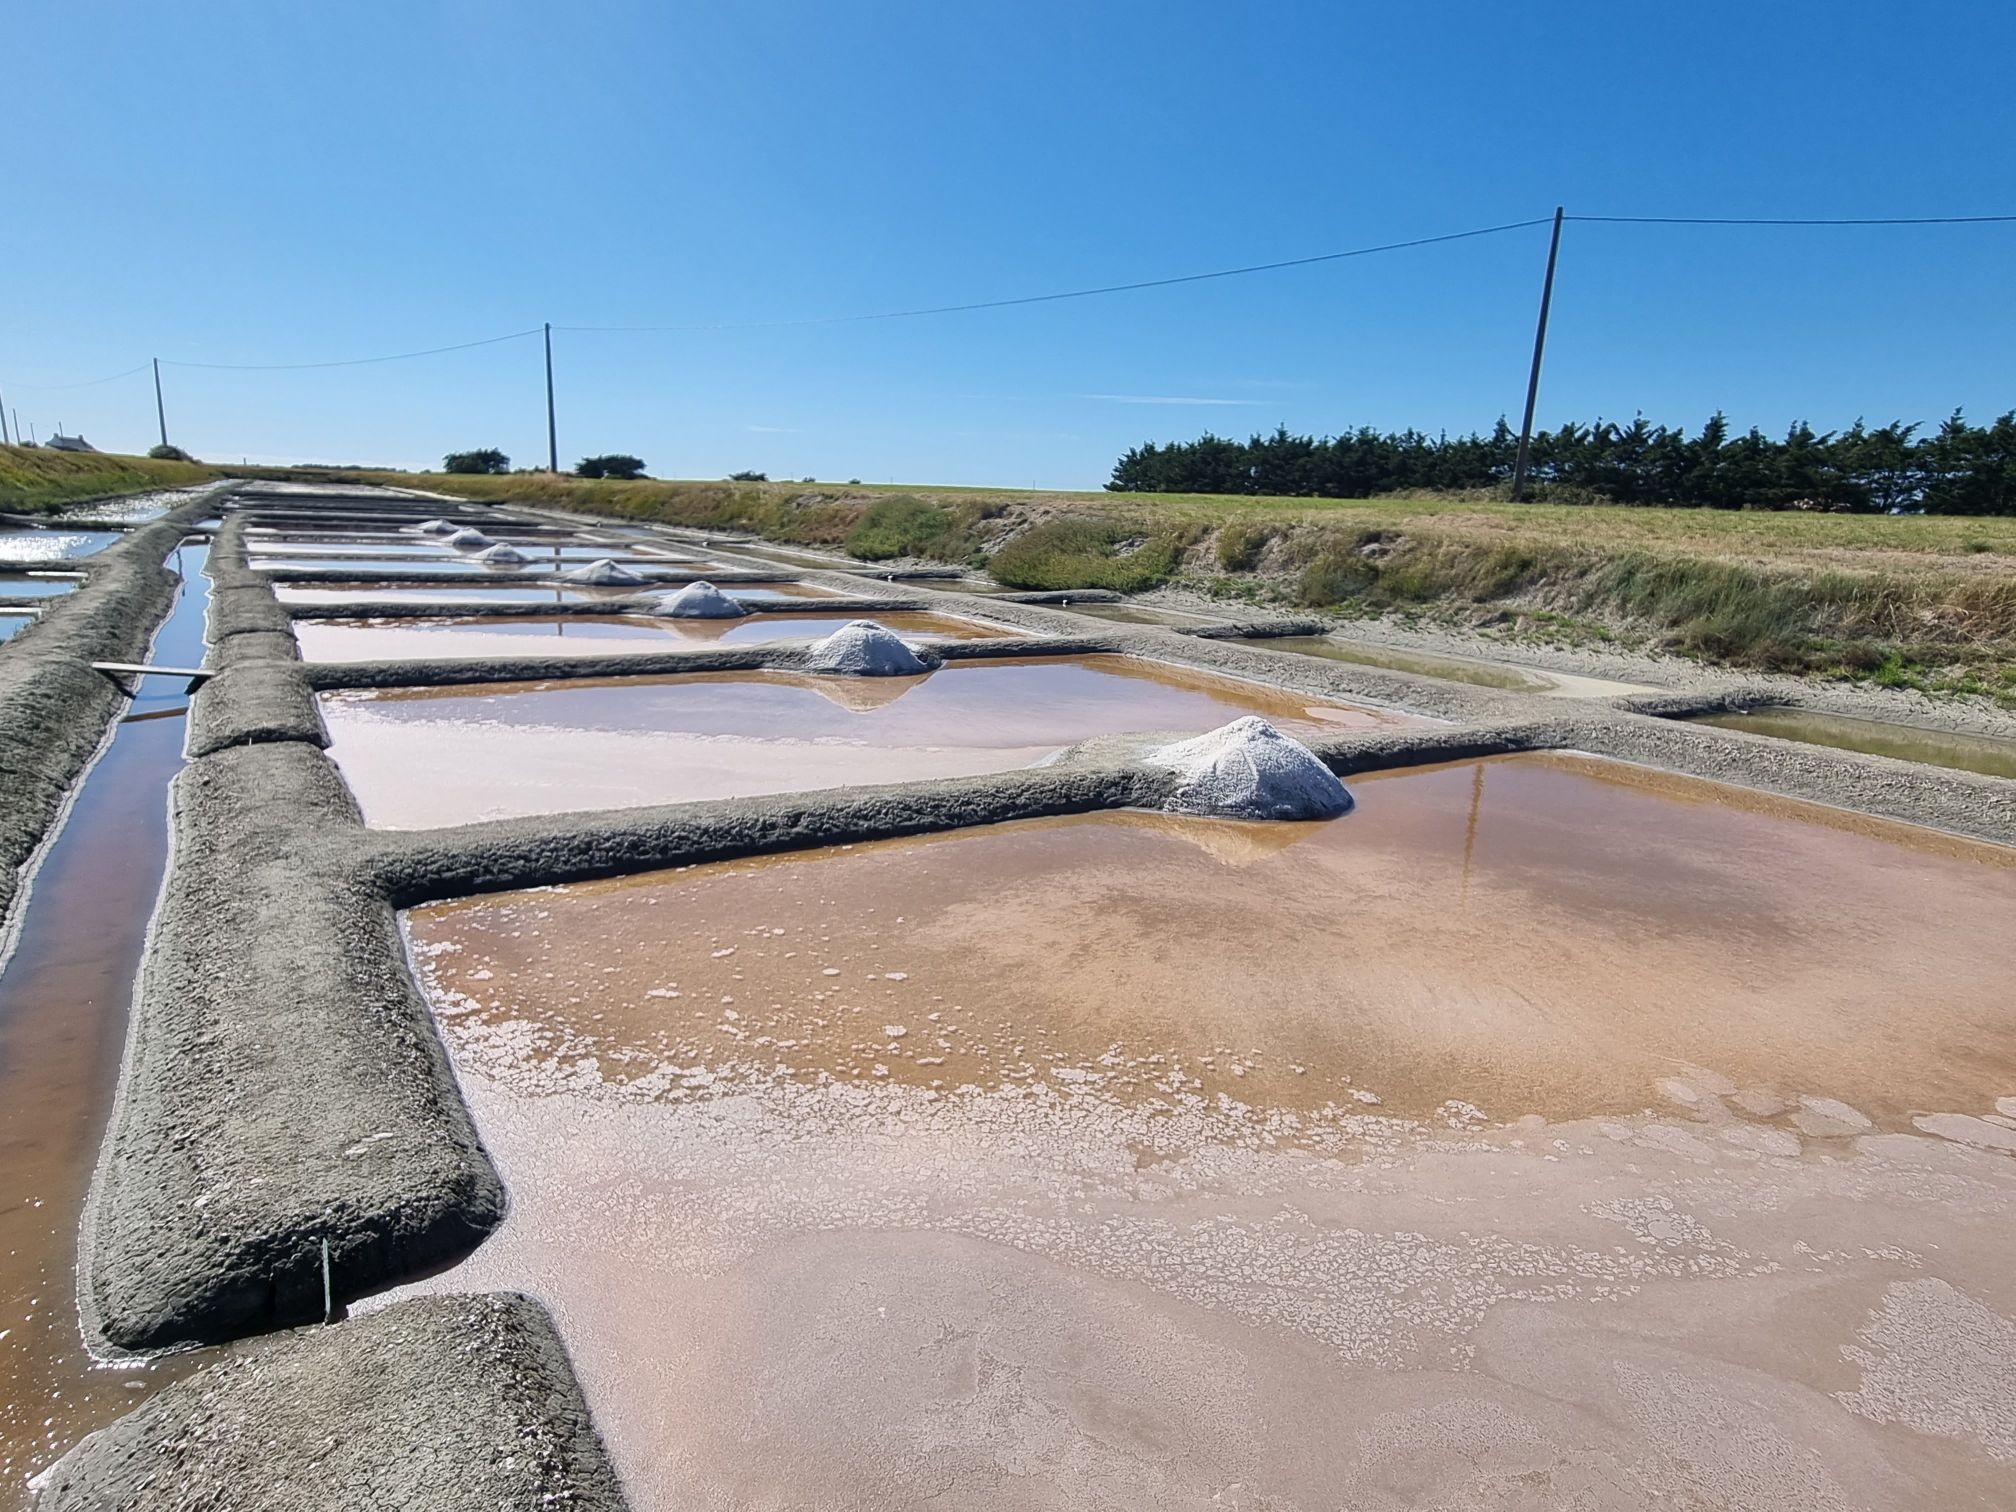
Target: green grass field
{"x": 1920, "y": 601}
{"x": 35, "y": 478}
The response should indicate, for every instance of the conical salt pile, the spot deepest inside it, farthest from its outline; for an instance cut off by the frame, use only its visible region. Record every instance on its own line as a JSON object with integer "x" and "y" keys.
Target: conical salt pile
{"x": 862, "y": 648}
{"x": 603, "y": 572}
{"x": 470, "y": 539}
{"x": 502, "y": 555}
{"x": 701, "y": 600}
{"x": 1250, "y": 770}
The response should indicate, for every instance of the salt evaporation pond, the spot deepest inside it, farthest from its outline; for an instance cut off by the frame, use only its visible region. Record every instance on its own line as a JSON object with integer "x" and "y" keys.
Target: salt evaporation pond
{"x": 1968, "y": 753}
{"x": 525, "y": 593}
{"x": 464, "y": 562}
{"x": 37, "y": 585}
{"x": 581, "y": 635}
{"x": 409, "y": 753}
{"x": 31, "y": 546}
{"x": 12, "y": 625}
{"x": 1127, "y": 1160}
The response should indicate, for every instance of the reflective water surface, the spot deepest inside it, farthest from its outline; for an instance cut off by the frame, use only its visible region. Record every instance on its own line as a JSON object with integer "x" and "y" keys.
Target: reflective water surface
{"x": 385, "y": 640}
{"x": 26, "y": 544}
{"x": 1968, "y": 753}
{"x": 427, "y": 756}
{"x": 63, "y": 1001}
{"x": 1544, "y": 1133}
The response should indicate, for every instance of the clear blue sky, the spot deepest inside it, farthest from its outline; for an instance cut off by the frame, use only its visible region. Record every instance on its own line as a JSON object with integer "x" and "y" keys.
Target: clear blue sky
{"x": 246, "y": 181}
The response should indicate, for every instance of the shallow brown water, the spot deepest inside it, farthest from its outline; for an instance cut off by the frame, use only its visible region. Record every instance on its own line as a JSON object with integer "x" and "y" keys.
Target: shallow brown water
{"x": 1548, "y": 935}
{"x": 409, "y": 754}
{"x": 63, "y": 1003}
{"x": 978, "y": 1171}
{"x": 391, "y": 640}
{"x": 1968, "y": 753}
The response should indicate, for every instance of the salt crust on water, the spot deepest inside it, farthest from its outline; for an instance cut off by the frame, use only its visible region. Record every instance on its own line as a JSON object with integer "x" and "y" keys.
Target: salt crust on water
{"x": 862, "y": 648}
{"x": 1250, "y": 770}
{"x": 502, "y": 555}
{"x": 470, "y": 538}
{"x": 701, "y": 600}
{"x": 602, "y": 573}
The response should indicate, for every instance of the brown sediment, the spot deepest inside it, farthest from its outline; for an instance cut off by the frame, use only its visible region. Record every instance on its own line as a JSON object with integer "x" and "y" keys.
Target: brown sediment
{"x": 380, "y": 640}
{"x": 412, "y": 755}
{"x": 1059, "y": 1189}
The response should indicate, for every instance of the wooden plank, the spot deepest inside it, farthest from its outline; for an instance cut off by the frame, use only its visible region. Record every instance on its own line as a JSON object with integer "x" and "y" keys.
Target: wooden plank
{"x": 135, "y": 669}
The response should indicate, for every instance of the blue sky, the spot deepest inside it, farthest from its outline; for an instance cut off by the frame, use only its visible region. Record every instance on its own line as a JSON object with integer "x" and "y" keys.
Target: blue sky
{"x": 268, "y": 181}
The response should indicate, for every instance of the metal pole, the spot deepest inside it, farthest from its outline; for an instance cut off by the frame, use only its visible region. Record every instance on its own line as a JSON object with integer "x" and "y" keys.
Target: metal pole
{"x": 160, "y": 410}
{"x": 6, "y": 438}
{"x": 1533, "y": 380}
{"x": 552, "y": 435}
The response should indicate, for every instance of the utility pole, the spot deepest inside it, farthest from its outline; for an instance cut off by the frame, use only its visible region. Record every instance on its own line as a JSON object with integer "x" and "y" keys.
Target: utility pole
{"x": 6, "y": 439}
{"x": 1533, "y": 380}
{"x": 552, "y": 434}
{"x": 160, "y": 410}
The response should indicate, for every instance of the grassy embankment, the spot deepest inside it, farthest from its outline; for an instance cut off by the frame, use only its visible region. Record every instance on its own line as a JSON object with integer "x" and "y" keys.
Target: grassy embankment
{"x": 1921, "y": 601}
{"x": 34, "y": 479}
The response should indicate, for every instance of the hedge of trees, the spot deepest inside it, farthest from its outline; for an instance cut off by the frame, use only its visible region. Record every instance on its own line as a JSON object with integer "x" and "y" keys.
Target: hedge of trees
{"x": 1957, "y": 468}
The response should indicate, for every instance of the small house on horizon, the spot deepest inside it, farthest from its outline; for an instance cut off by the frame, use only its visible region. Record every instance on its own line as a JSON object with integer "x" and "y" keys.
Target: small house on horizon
{"x": 62, "y": 442}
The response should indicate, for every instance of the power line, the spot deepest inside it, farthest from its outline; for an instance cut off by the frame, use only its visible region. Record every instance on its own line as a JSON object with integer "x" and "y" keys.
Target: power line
{"x": 1029, "y": 299}
{"x": 1704, "y": 220}
{"x": 50, "y": 388}
{"x": 295, "y": 367}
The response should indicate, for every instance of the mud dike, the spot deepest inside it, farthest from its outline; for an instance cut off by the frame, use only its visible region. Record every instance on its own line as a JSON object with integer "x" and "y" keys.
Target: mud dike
{"x": 997, "y": 1108}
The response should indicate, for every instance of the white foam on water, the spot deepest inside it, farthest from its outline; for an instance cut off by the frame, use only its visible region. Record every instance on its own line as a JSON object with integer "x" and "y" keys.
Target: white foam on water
{"x": 1250, "y": 770}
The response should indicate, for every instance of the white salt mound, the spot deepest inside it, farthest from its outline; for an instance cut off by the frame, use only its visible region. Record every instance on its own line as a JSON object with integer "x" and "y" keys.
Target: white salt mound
{"x": 502, "y": 555}
{"x": 434, "y": 527}
{"x": 701, "y": 600}
{"x": 603, "y": 573}
{"x": 470, "y": 538}
{"x": 862, "y": 648}
{"x": 1250, "y": 770}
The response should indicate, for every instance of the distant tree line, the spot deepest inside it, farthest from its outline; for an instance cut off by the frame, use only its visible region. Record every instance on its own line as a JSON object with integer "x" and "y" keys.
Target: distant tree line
{"x": 1956, "y": 469}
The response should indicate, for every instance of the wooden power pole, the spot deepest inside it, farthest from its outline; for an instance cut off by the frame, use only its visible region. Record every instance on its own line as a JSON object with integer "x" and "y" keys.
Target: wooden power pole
{"x": 552, "y": 432}
{"x": 1533, "y": 379}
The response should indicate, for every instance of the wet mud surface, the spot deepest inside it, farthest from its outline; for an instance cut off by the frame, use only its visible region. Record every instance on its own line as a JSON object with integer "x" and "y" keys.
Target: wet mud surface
{"x": 383, "y": 640}
{"x": 915, "y": 1170}
{"x": 413, "y": 756}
